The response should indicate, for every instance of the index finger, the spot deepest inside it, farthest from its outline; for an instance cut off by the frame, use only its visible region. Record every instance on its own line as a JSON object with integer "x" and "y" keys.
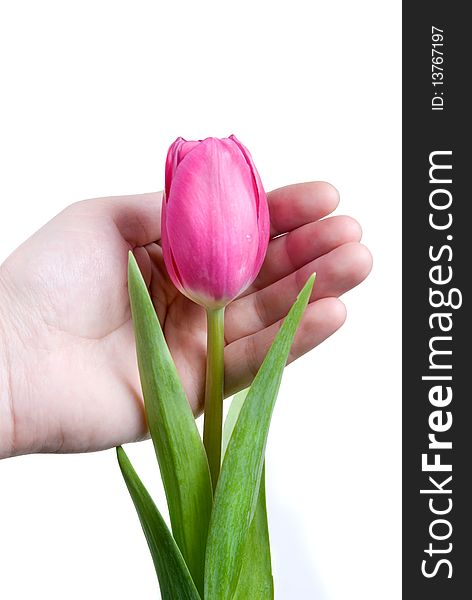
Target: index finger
{"x": 295, "y": 205}
{"x": 138, "y": 217}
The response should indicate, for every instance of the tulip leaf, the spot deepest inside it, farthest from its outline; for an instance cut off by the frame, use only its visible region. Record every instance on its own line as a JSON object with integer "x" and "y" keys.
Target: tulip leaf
{"x": 255, "y": 580}
{"x": 175, "y": 580}
{"x": 238, "y": 486}
{"x": 232, "y": 416}
{"x": 179, "y": 448}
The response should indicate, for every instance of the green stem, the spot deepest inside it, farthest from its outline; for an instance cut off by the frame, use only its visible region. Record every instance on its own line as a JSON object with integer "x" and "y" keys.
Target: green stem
{"x": 214, "y": 391}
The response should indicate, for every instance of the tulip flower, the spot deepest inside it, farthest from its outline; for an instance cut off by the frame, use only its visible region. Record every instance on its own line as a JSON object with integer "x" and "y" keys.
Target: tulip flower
{"x": 215, "y": 232}
{"x": 215, "y": 220}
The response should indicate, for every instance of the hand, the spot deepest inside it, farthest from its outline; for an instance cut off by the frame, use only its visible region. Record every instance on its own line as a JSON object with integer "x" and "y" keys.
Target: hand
{"x": 69, "y": 354}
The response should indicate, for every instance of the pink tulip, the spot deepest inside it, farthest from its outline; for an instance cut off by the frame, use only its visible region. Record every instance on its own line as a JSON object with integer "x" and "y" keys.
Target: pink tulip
{"x": 215, "y": 219}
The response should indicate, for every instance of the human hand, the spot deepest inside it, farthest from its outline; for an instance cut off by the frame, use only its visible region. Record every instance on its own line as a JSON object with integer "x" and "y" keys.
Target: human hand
{"x": 70, "y": 378}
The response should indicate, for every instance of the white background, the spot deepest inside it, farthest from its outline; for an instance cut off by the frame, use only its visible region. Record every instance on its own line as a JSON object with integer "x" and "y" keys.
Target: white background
{"x": 93, "y": 92}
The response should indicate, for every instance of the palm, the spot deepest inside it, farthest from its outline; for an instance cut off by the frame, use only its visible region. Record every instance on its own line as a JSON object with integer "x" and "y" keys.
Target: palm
{"x": 81, "y": 386}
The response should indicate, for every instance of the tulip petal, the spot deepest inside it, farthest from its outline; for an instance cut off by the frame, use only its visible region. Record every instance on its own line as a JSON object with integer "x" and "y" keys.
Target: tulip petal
{"x": 171, "y": 163}
{"x": 262, "y": 205}
{"x": 171, "y": 267}
{"x": 175, "y": 155}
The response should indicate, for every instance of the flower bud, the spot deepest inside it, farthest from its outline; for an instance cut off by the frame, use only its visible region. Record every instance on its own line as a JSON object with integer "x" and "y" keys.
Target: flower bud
{"x": 215, "y": 219}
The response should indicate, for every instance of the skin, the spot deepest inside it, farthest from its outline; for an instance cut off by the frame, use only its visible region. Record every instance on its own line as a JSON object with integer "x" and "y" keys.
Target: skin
{"x": 68, "y": 372}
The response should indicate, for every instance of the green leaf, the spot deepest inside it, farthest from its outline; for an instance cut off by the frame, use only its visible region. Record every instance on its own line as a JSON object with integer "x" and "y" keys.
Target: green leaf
{"x": 179, "y": 448}
{"x": 255, "y": 580}
{"x": 238, "y": 486}
{"x": 231, "y": 418}
{"x": 174, "y": 578}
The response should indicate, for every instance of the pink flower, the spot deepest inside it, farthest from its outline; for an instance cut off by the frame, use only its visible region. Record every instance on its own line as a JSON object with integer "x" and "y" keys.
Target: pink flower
{"x": 215, "y": 219}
